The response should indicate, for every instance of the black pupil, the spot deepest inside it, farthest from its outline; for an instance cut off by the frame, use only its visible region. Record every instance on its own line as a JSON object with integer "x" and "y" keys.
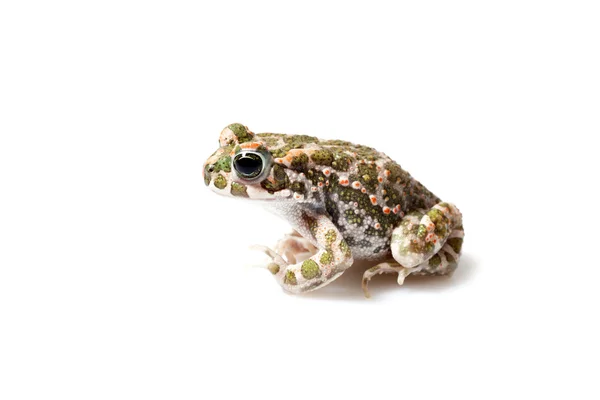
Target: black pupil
{"x": 248, "y": 165}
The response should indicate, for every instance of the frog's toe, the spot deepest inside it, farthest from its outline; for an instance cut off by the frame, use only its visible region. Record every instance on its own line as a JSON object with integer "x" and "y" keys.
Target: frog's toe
{"x": 272, "y": 254}
{"x": 386, "y": 267}
{"x": 295, "y": 248}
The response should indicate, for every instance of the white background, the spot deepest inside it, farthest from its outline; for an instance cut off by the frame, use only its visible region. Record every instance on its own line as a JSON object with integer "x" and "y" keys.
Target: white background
{"x": 123, "y": 277}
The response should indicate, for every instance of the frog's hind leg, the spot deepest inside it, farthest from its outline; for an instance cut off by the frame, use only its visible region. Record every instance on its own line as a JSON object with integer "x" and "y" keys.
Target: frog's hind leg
{"x": 444, "y": 262}
{"x": 425, "y": 243}
{"x": 422, "y": 234}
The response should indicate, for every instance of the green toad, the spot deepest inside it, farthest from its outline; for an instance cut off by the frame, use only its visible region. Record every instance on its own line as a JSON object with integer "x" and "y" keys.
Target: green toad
{"x": 345, "y": 202}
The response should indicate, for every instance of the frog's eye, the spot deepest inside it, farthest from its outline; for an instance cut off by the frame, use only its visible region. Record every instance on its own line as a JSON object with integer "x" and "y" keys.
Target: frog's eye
{"x": 248, "y": 165}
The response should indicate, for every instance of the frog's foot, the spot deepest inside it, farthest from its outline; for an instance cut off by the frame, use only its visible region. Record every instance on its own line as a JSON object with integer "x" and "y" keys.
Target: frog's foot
{"x": 295, "y": 248}
{"x": 386, "y": 267}
{"x": 292, "y": 248}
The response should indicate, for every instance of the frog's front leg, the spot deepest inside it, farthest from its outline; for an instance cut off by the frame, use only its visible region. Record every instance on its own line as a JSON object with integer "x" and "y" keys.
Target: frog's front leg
{"x": 329, "y": 262}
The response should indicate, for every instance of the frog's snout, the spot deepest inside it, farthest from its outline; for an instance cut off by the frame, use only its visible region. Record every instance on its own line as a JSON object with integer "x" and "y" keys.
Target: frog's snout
{"x": 217, "y": 176}
{"x": 207, "y": 173}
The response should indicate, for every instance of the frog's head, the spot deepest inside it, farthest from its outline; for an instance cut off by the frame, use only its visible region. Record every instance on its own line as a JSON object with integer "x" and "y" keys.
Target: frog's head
{"x": 244, "y": 167}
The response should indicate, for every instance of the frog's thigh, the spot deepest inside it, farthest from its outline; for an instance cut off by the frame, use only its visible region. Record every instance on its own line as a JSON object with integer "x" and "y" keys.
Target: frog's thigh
{"x": 422, "y": 234}
{"x": 445, "y": 261}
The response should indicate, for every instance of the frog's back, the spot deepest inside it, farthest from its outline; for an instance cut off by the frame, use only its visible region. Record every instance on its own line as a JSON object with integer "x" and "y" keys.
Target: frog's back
{"x": 364, "y": 191}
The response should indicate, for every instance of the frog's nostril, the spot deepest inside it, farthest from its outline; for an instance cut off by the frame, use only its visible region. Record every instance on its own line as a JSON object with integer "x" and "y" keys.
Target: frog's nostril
{"x": 207, "y": 174}
{"x": 211, "y": 169}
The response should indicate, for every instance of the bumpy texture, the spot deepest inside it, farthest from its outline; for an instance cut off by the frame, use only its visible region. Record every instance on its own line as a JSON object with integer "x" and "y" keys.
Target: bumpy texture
{"x": 344, "y": 201}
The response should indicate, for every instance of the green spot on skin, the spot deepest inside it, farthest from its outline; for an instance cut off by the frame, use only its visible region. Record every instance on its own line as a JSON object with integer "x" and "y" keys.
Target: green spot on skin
{"x": 280, "y": 180}
{"x": 273, "y": 268}
{"x": 330, "y": 236}
{"x": 279, "y": 173}
{"x": 344, "y": 248}
{"x": 435, "y": 261}
{"x": 298, "y": 187}
{"x": 428, "y": 247}
{"x": 299, "y": 139}
{"x": 414, "y": 229}
{"x": 300, "y": 162}
{"x": 290, "y": 278}
{"x": 224, "y": 164}
{"x": 278, "y": 153}
{"x": 341, "y": 161}
{"x": 435, "y": 215}
{"x": 367, "y": 153}
{"x": 367, "y": 175}
{"x": 220, "y": 182}
{"x": 422, "y": 232}
{"x": 420, "y": 247}
{"x": 243, "y": 134}
{"x": 310, "y": 269}
{"x": 293, "y": 142}
{"x": 327, "y": 257}
{"x": 322, "y": 157}
{"x": 271, "y": 139}
{"x": 403, "y": 250}
{"x": 456, "y": 244}
{"x": 316, "y": 176}
{"x": 238, "y": 190}
{"x": 312, "y": 224}
{"x": 440, "y": 221}
{"x": 441, "y": 230}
